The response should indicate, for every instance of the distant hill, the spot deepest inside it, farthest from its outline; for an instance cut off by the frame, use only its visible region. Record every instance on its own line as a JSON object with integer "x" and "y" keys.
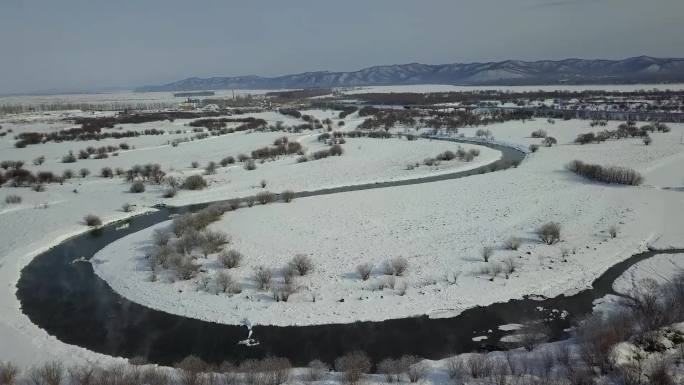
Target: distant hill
{"x": 509, "y": 72}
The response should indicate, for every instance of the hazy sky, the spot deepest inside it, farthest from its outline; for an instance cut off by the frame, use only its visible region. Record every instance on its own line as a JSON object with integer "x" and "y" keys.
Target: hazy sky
{"x": 75, "y": 44}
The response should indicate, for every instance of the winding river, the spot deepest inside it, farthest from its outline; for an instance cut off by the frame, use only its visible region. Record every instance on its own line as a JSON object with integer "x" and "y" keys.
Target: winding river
{"x": 60, "y": 293}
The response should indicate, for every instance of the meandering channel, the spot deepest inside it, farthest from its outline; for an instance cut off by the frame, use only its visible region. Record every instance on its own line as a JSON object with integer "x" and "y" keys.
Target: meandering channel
{"x": 71, "y": 302}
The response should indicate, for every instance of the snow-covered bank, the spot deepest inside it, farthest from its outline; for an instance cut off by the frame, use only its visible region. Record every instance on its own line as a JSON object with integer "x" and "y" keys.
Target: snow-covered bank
{"x": 440, "y": 228}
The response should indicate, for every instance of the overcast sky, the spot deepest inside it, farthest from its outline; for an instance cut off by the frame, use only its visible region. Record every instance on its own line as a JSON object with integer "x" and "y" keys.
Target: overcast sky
{"x": 85, "y": 44}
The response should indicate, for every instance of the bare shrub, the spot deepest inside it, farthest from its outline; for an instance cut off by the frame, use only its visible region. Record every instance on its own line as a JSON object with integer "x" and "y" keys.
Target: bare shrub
{"x": 137, "y": 187}
{"x": 8, "y": 373}
{"x": 262, "y": 276}
{"x": 250, "y": 165}
{"x": 276, "y": 370}
{"x": 647, "y": 140}
{"x": 265, "y": 197}
{"x": 13, "y": 199}
{"x": 512, "y": 243}
{"x": 539, "y": 134}
{"x": 234, "y": 203}
{"x": 395, "y": 266}
{"x": 549, "y": 141}
{"x": 610, "y": 174}
{"x": 289, "y": 274}
{"x": 190, "y": 370}
{"x": 486, "y": 253}
{"x": 456, "y": 369}
{"x": 194, "y": 182}
{"x": 532, "y": 334}
{"x": 287, "y": 196}
{"x": 92, "y": 220}
{"x": 84, "y": 172}
{"x": 549, "y": 233}
{"x": 213, "y": 241}
{"x": 613, "y": 231}
{"x": 391, "y": 369}
{"x": 169, "y": 192}
{"x": 82, "y": 375}
{"x": 479, "y": 365}
{"x": 354, "y": 365}
{"x": 534, "y": 147}
{"x": 282, "y": 291}
{"x": 222, "y": 282}
{"x": 659, "y": 373}
{"x": 316, "y": 370}
{"x": 302, "y": 264}
{"x": 364, "y": 270}
{"x": 106, "y": 172}
{"x": 184, "y": 266}
{"x": 210, "y": 168}
{"x": 509, "y": 266}
{"x": 230, "y": 259}
{"x": 336, "y": 150}
{"x": 50, "y": 373}
{"x": 416, "y": 370}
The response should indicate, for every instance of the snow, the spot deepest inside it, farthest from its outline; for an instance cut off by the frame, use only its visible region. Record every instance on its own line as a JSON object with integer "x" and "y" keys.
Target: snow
{"x": 440, "y": 228}
{"x": 660, "y": 268}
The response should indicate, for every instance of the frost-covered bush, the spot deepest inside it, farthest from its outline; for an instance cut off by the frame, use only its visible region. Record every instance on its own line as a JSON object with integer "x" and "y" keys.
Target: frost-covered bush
{"x": 336, "y": 150}
{"x": 353, "y": 365}
{"x": 262, "y": 276}
{"x": 227, "y": 160}
{"x": 230, "y": 259}
{"x": 250, "y": 165}
{"x": 137, "y": 187}
{"x": 539, "y": 134}
{"x": 106, "y": 172}
{"x": 126, "y": 207}
{"x": 69, "y": 158}
{"x": 184, "y": 266}
{"x": 479, "y": 365}
{"x": 287, "y": 196}
{"x": 486, "y": 253}
{"x": 549, "y": 232}
{"x": 281, "y": 292}
{"x": 92, "y": 220}
{"x": 224, "y": 283}
{"x": 210, "y": 168}
{"x": 395, "y": 266}
{"x": 265, "y": 197}
{"x": 13, "y": 199}
{"x": 512, "y": 243}
{"x": 610, "y": 174}
{"x": 364, "y": 270}
{"x": 534, "y": 147}
{"x": 302, "y": 264}
{"x": 67, "y": 174}
{"x": 316, "y": 370}
{"x": 194, "y": 182}
{"x": 49, "y": 373}
{"x": 212, "y": 241}
{"x": 8, "y": 373}
{"x": 549, "y": 141}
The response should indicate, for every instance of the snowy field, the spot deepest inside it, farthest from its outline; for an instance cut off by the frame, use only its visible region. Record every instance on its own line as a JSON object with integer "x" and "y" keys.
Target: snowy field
{"x": 45, "y": 218}
{"x": 440, "y": 228}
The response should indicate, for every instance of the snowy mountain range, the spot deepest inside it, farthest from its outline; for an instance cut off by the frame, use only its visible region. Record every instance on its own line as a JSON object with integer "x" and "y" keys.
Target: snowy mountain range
{"x": 509, "y": 72}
